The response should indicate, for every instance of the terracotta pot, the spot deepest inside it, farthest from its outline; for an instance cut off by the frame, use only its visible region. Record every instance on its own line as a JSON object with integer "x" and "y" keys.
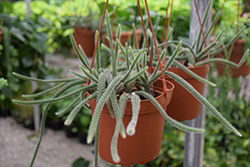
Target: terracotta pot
{"x": 236, "y": 55}
{"x": 185, "y": 106}
{"x": 86, "y": 39}
{"x": 145, "y": 145}
{"x": 1, "y": 36}
{"x": 125, "y": 36}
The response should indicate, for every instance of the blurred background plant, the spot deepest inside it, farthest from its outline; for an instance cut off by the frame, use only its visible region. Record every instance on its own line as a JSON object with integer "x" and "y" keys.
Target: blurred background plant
{"x": 24, "y": 49}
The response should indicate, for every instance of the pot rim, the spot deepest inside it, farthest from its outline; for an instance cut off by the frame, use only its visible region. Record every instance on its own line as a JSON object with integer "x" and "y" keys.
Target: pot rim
{"x": 148, "y": 109}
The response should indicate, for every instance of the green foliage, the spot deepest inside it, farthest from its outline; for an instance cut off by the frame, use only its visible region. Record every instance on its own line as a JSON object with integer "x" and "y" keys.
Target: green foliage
{"x": 4, "y": 91}
{"x": 9, "y": 62}
{"x": 3, "y": 82}
{"x": 24, "y": 49}
{"x": 229, "y": 12}
{"x": 48, "y": 15}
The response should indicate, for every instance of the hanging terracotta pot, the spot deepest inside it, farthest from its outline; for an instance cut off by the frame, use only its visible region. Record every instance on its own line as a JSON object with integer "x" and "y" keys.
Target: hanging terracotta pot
{"x": 236, "y": 55}
{"x": 86, "y": 39}
{"x": 125, "y": 36}
{"x": 184, "y": 105}
{"x": 144, "y": 146}
{"x": 1, "y": 35}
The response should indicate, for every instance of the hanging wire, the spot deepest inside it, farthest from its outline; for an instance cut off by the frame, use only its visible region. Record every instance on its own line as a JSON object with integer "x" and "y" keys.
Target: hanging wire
{"x": 204, "y": 38}
{"x": 166, "y": 40}
{"x": 244, "y": 8}
{"x": 165, "y": 89}
{"x": 169, "y": 20}
{"x": 221, "y": 8}
{"x": 238, "y": 16}
{"x": 99, "y": 34}
{"x": 165, "y": 21}
{"x": 135, "y": 21}
{"x": 145, "y": 34}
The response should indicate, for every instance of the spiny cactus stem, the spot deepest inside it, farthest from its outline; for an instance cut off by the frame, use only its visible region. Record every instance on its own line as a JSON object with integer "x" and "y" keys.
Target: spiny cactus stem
{"x": 204, "y": 101}
{"x": 168, "y": 119}
{"x": 43, "y": 81}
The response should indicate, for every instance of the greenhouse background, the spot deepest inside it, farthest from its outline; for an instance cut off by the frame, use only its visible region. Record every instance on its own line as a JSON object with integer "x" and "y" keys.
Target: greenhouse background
{"x": 35, "y": 42}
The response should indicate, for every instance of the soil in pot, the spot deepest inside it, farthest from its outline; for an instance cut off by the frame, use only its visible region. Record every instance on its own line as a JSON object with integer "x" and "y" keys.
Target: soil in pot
{"x": 236, "y": 55}
{"x": 145, "y": 145}
{"x": 85, "y": 38}
{"x": 183, "y": 105}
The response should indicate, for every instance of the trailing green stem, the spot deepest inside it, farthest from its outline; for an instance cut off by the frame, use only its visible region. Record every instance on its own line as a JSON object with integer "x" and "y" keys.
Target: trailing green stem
{"x": 96, "y": 116}
{"x": 204, "y": 101}
{"x": 193, "y": 74}
{"x": 88, "y": 74}
{"x": 114, "y": 151}
{"x": 52, "y": 100}
{"x": 135, "y": 99}
{"x": 224, "y": 61}
{"x": 131, "y": 66}
{"x": 44, "y": 115}
{"x": 43, "y": 81}
{"x": 204, "y": 51}
{"x": 44, "y": 92}
{"x": 69, "y": 107}
{"x": 229, "y": 43}
{"x": 79, "y": 75}
{"x": 82, "y": 57}
{"x": 168, "y": 119}
{"x": 73, "y": 113}
{"x": 98, "y": 52}
{"x": 156, "y": 75}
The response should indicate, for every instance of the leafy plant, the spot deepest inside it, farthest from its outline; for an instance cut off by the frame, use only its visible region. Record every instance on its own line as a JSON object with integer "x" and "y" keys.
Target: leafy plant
{"x": 48, "y": 15}
{"x": 3, "y": 82}
{"x": 24, "y": 50}
{"x": 106, "y": 85}
{"x": 8, "y": 56}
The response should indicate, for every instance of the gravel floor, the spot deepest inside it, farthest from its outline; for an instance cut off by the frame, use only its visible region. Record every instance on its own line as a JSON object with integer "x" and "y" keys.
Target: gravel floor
{"x": 16, "y": 147}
